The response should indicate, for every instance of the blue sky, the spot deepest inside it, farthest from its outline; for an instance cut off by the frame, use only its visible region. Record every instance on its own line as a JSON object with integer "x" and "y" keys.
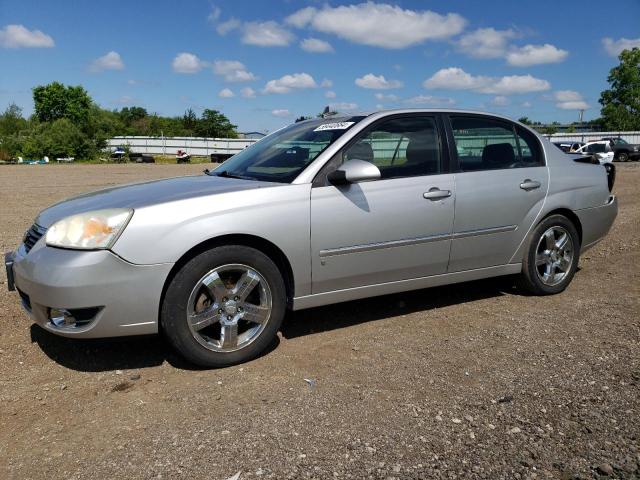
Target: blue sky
{"x": 264, "y": 63}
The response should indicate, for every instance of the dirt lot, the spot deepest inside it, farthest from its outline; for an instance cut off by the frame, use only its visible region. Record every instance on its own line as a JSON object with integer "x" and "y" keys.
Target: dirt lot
{"x": 472, "y": 380}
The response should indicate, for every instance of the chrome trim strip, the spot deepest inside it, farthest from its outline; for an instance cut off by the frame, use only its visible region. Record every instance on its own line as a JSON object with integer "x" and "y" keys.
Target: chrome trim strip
{"x": 485, "y": 231}
{"x": 331, "y": 252}
{"x": 368, "y": 247}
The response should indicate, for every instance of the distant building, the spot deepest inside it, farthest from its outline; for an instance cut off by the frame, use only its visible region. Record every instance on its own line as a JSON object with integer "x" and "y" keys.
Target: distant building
{"x": 251, "y": 135}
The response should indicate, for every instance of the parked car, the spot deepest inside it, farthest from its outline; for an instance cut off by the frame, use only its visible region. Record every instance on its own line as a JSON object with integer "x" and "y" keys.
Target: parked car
{"x": 599, "y": 149}
{"x": 320, "y": 212}
{"x": 622, "y": 150}
{"x": 564, "y": 146}
{"x": 120, "y": 155}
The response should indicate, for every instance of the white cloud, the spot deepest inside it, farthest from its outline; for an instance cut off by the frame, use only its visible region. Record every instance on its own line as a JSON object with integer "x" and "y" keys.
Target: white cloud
{"x": 18, "y": 36}
{"x": 377, "y": 82}
{"x": 329, "y": 94}
{"x": 500, "y": 101}
{"x": 125, "y": 100}
{"x": 315, "y": 45}
{"x": 326, "y": 83}
{"x": 615, "y": 47}
{"x": 485, "y": 42}
{"x": 248, "y": 92}
{"x": 526, "y": 105}
{"x": 580, "y": 105}
{"x": 232, "y": 71}
{"x": 266, "y": 34}
{"x": 287, "y": 83}
{"x": 225, "y": 27}
{"x": 187, "y": 63}
{"x": 515, "y": 85}
{"x": 109, "y": 61}
{"x": 379, "y": 24}
{"x": 386, "y": 98}
{"x": 301, "y": 18}
{"x": 280, "y": 112}
{"x": 214, "y": 15}
{"x": 226, "y": 93}
{"x": 566, "y": 96}
{"x": 569, "y": 100}
{"x": 454, "y": 78}
{"x": 430, "y": 100}
{"x": 536, "y": 55}
{"x": 343, "y": 106}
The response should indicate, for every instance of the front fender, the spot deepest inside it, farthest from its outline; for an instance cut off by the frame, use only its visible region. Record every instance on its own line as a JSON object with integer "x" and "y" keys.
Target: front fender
{"x": 164, "y": 233}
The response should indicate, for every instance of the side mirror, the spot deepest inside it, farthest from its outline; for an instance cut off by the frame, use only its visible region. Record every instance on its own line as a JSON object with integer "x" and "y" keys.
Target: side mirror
{"x": 354, "y": 171}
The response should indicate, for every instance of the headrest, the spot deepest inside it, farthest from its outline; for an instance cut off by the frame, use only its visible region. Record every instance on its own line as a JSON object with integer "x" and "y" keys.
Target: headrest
{"x": 498, "y": 154}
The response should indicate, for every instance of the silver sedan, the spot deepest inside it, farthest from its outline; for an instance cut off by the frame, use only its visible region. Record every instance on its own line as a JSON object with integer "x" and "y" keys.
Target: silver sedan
{"x": 322, "y": 211}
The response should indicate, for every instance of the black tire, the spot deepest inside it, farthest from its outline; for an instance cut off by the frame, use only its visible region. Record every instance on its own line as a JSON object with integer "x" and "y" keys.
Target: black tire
{"x": 173, "y": 316}
{"x": 623, "y": 157}
{"x": 530, "y": 280}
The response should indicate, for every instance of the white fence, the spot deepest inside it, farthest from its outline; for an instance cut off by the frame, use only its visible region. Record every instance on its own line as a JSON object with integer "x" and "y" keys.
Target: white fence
{"x": 631, "y": 137}
{"x": 192, "y": 145}
{"x": 231, "y": 146}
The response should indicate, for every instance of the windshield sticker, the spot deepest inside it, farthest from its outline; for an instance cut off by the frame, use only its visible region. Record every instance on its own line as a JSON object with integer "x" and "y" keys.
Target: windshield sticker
{"x": 334, "y": 126}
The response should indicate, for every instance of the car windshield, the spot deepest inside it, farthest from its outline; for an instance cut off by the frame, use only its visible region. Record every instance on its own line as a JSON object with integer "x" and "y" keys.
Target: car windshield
{"x": 283, "y": 155}
{"x": 620, "y": 141}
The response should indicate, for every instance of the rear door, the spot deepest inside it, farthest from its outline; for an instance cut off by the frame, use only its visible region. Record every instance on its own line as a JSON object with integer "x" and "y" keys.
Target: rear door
{"x": 395, "y": 228}
{"x": 501, "y": 183}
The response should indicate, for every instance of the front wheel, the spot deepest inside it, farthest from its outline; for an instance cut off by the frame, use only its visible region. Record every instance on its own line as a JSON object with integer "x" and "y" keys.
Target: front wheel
{"x": 224, "y": 306}
{"x": 552, "y": 257}
{"x": 623, "y": 157}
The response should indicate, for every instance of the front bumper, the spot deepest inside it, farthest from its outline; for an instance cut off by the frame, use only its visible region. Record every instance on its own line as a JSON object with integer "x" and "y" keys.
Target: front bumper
{"x": 125, "y": 296}
{"x": 596, "y": 222}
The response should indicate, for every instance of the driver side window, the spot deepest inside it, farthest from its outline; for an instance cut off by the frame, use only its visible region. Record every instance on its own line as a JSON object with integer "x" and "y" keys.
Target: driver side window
{"x": 399, "y": 147}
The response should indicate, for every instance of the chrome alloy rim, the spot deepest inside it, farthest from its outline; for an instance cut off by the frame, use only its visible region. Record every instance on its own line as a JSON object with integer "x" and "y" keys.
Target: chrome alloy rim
{"x": 554, "y": 256}
{"x": 229, "y": 307}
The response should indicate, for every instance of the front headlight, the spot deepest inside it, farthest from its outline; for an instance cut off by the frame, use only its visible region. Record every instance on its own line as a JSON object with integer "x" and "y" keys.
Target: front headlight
{"x": 89, "y": 231}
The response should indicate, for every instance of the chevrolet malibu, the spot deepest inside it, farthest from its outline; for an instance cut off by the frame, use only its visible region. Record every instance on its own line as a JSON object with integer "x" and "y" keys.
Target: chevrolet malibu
{"x": 322, "y": 211}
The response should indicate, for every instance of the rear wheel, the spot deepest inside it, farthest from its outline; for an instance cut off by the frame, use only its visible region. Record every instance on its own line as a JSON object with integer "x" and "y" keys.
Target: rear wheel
{"x": 623, "y": 157}
{"x": 224, "y": 306}
{"x": 552, "y": 258}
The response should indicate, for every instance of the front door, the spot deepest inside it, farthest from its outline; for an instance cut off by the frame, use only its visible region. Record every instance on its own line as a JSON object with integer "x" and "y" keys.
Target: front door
{"x": 395, "y": 228}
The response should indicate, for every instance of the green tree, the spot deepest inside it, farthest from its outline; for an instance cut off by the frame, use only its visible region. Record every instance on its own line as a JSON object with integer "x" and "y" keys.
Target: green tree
{"x": 12, "y": 121}
{"x": 621, "y": 102}
{"x": 189, "y": 120}
{"x": 525, "y": 120}
{"x": 130, "y": 115}
{"x": 215, "y": 124}
{"x": 55, "y": 101}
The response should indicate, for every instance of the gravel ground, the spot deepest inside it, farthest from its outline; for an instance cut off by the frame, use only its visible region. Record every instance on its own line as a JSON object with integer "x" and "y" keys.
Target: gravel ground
{"x": 473, "y": 380}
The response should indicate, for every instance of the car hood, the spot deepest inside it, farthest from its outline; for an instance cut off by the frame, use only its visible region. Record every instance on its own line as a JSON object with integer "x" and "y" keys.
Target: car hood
{"x": 140, "y": 195}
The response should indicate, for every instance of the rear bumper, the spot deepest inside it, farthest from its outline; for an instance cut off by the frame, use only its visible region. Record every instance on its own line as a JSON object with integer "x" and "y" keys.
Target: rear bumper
{"x": 596, "y": 222}
{"x": 126, "y": 297}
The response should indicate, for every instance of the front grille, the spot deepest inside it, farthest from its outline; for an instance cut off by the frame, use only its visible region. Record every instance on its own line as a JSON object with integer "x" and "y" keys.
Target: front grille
{"x": 34, "y": 234}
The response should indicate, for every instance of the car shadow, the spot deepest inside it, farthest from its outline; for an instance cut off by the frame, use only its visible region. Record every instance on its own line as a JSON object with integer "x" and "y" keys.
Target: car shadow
{"x": 107, "y": 354}
{"x": 342, "y": 315}
{"x": 127, "y": 353}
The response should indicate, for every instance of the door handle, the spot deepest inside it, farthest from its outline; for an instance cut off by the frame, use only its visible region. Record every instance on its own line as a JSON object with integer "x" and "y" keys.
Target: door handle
{"x": 436, "y": 194}
{"x": 529, "y": 184}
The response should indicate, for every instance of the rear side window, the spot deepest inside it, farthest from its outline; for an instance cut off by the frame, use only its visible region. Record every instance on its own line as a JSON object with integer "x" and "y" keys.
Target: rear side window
{"x": 488, "y": 144}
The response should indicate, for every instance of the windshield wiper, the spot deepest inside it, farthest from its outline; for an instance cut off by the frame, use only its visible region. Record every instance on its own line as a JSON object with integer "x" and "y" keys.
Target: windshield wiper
{"x": 226, "y": 174}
